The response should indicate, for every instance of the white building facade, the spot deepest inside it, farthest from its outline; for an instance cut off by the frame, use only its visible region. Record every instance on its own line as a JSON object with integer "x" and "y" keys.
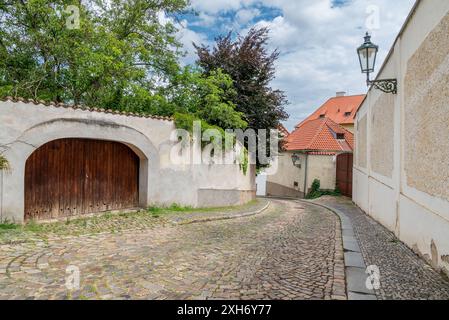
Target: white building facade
{"x": 401, "y": 165}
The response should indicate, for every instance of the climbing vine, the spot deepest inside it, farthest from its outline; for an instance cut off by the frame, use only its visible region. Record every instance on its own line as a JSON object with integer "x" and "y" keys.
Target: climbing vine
{"x": 227, "y": 142}
{"x": 244, "y": 161}
{"x": 4, "y": 164}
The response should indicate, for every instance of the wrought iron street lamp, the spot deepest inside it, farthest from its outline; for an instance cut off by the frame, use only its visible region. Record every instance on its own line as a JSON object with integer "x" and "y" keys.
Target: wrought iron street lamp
{"x": 367, "y": 53}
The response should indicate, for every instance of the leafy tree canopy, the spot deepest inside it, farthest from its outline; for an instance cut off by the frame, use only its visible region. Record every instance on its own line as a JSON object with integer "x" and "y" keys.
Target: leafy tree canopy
{"x": 252, "y": 69}
{"x": 124, "y": 56}
{"x": 120, "y": 47}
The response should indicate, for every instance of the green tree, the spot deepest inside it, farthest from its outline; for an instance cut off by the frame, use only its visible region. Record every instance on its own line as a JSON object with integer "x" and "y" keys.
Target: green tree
{"x": 252, "y": 69}
{"x": 123, "y": 56}
{"x": 122, "y": 49}
{"x": 208, "y": 97}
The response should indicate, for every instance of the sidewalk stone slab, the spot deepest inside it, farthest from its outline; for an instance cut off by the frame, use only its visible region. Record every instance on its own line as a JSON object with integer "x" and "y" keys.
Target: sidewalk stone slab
{"x": 356, "y": 279}
{"x": 346, "y": 224}
{"x": 354, "y": 259}
{"x": 350, "y": 244}
{"x": 361, "y": 297}
{"x": 403, "y": 274}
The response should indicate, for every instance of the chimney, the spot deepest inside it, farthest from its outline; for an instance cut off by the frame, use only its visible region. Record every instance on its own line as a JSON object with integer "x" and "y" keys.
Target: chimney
{"x": 341, "y": 93}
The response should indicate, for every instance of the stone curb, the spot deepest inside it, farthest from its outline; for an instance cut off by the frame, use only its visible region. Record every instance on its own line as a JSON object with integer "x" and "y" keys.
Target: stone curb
{"x": 228, "y": 217}
{"x": 355, "y": 266}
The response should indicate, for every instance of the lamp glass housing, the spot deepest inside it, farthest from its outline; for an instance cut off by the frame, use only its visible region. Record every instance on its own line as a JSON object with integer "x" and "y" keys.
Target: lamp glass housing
{"x": 367, "y": 53}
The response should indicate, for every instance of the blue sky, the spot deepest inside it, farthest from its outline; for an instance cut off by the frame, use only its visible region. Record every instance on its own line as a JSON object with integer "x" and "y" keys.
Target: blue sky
{"x": 317, "y": 40}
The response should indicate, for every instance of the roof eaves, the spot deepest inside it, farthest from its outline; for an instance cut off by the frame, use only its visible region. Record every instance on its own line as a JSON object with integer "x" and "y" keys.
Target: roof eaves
{"x": 319, "y": 150}
{"x": 83, "y": 108}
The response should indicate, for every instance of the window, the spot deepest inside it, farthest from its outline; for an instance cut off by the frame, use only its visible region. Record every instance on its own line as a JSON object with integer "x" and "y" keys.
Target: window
{"x": 322, "y": 115}
{"x": 296, "y": 184}
{"x": 348, "y": 114}
{"x": 340, "y": 136}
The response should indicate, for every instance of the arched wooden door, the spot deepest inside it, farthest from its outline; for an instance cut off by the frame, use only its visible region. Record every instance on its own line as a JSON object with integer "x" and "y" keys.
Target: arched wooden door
{"x": 69, "y": 177}
{"x": 344, "y": 173}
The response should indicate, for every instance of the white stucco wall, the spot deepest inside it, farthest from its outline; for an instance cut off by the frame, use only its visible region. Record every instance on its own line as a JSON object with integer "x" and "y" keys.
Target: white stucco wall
{"x": 24, "y": 127}
{"x": 261, "y": 184}
{"x": 322, "y": 167}
{"x": 287, "y": 174}
{"x": 406, "y": 188}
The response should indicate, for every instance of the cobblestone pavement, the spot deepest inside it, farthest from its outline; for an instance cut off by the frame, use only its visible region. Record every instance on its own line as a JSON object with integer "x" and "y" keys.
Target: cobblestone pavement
{"x": 121, "y": 222}
{"x": 403, "y": 274}
{"x": 290, "y": 251}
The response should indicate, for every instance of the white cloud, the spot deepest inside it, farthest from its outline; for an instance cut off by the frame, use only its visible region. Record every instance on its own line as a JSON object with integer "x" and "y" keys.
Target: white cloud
{"x": 244, "y": 16}
{"x": 205, "y": 20}
{"x": 317, "y": 43}
{"x": 187, "y": 37}
{"x": 215, "y": 6}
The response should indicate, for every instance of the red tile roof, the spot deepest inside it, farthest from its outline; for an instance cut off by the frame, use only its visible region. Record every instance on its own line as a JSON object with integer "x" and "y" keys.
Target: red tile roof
{"x": 284, "y": 132}
{"x": 336, "y": 108}
{"x": 320, "y": 135}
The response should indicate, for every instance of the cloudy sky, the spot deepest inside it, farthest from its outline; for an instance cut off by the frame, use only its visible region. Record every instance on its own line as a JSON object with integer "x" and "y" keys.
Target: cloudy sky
{"x": 317, "y": 40}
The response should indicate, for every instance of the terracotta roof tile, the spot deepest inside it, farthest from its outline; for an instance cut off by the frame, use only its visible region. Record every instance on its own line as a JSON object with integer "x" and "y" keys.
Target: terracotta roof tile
{"x": 81, "y": 107}
{"x": 320, "y": 135}
{"x": 283, "y": 131}
{"x": 336, "y": 108}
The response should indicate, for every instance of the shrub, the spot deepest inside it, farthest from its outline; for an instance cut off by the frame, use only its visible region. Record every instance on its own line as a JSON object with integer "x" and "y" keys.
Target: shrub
{"x": 316, "y": 192}
{"x": 316, "y": 185}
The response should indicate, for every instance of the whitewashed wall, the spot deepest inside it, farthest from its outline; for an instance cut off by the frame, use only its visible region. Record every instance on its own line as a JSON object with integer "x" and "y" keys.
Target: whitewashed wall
{"x": 401, "y": 168}
{"x": 25, "y": 126}
{"x": 285, "y": 174}
{"x": 261, "y": 184}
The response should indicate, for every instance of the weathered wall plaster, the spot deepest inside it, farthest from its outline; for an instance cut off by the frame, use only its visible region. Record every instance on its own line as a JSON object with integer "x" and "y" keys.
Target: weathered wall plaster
{"x": 426, "y": 114}
{"x": 360, "y": 140}
{"x": 288, "y": 179}
{"x": 24, "y": 127}
{"x": 382, "y": 131}
{"x": 407, "y": 189}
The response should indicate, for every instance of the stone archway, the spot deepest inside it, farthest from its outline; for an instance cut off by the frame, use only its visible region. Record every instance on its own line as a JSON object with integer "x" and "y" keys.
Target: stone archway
{"x": 72, "y": 176}
{"x": 32, "y": 139}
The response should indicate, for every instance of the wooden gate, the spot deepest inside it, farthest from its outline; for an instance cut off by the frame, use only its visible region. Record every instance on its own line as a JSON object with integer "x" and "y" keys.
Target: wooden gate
{"x": 344, "y": 173}
{"x": 78, "y": 176}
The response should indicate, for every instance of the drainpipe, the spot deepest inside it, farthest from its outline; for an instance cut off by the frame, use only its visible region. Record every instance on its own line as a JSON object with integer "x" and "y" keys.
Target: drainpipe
{"x": 305, "y": 174}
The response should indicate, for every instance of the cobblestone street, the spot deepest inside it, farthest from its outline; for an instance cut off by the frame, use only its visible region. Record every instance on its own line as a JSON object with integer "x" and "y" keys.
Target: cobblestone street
{"x": 289, "y": 251}
{"x": 403, "y": 274}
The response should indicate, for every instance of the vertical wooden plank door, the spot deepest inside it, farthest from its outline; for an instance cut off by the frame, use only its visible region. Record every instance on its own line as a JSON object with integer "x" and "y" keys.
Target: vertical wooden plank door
{"x": 344, "y": 174}
{"x": 70, "y": 177}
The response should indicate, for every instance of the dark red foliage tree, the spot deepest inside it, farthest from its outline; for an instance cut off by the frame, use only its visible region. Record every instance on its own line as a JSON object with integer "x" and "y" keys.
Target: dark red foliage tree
{"x": 251, "y": 67}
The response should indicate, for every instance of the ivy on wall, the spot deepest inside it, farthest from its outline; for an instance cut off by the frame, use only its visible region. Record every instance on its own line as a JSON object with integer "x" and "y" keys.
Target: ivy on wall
{"x": 244, "y": 161}
{"x": 227, "y": 142}
{"x": 4, "y": 165}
